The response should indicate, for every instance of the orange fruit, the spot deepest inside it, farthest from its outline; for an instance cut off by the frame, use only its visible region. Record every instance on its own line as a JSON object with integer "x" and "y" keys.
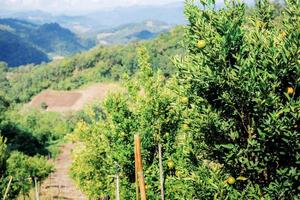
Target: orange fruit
{"x": 290, "y": 90}
{"x": 184, "y": 100}
{"x": 230, "y": 180}
{"x": 170, "y": 164}
{"x": 283, "y": 34}
{"x": 258, "y": 23}
{"x": 185, "y": 127}
{"x": 122, "y": 135}
{"x": 201, "y": 44}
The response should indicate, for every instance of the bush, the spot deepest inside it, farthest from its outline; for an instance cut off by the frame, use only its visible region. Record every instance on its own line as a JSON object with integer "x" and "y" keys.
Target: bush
{"x": 24, "y": 169}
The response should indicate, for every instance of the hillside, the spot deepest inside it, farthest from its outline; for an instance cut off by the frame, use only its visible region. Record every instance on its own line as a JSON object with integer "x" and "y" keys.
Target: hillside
{"x": 96, "y": 65}
{"x": 55, "y": 39}
{"x": 51, "y": 39}
{"x": 15, "y": 51}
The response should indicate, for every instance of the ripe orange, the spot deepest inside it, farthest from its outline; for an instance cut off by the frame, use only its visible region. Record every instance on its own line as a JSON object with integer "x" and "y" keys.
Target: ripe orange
{"x": 290, "y": 90}
{"x": 185, "y": 127}
{"x": 170, "y": 164}
{"x": 230, "y": 180}
{"x": 201, "y": 44}
{"x": 122, "y": 135}
{"x": 184, "y": 100}
{"x": 283, "y": 34}
{"x": 258, "y": 24}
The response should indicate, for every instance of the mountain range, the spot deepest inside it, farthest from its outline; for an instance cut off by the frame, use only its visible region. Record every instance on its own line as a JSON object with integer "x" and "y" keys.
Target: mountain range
{"x": 94, "y": 22}
{"x": 32, "y": 37}
{"x": 132, "y": 32}
{"x": 23, "y": 42}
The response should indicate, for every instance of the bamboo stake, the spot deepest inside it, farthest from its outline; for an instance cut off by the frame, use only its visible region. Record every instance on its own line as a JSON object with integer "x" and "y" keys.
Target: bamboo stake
{"x": 161, "y": 172}
{"x": 136, "y": 172}
{"x": 50, "y": 180}
{"x": 140, "y": 175}
{"x": 118, "y": 186}
{"x": 36, "y": 189}
{"x": 7, "y": 188}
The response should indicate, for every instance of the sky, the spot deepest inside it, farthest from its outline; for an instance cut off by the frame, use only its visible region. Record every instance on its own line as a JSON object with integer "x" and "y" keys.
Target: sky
{"x": 74, "y": 5}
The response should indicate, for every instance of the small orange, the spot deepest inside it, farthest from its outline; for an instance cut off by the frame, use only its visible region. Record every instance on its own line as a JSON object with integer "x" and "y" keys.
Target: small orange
{"x": 170, "y": 164}
{"x": 283, "y": 34}
{"x": 258, "y": 24}
{"x": 184, "y": 100}
{"x": 185, "y": 127}
{"x": 230, "y": 180}
{"x": 290, "y": 90}
{"x": 201, "y": 44}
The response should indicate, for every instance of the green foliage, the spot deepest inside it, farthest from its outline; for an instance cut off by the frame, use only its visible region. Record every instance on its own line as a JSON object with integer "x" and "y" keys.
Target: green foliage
{"x": 24, "y": 169}
{"x": 27, "y": 136}
{"x": 3, "y": 155}
{"x": 243, "y": 86}
{"x": 34, "y": 132}
{"x": 97, "y": 65}
{"x": 108, "y": 133}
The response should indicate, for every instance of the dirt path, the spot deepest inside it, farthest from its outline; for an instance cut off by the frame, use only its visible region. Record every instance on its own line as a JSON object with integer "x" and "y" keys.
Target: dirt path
{"x": 59, "y": 185}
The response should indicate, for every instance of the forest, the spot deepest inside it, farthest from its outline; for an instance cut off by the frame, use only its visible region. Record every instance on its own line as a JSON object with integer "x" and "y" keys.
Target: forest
{"x": 220, "y": 95}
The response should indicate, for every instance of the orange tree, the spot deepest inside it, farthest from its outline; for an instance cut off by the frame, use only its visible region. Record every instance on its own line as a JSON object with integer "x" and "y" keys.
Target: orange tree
{"x": 241, "y": 76}
{"x": 149, "y": 108}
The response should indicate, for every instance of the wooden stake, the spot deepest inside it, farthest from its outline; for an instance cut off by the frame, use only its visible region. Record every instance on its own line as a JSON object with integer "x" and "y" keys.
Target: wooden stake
{"x": 7, "y": 188}
{"x": 140, "y": 175}
{"x": 161, "y": 172}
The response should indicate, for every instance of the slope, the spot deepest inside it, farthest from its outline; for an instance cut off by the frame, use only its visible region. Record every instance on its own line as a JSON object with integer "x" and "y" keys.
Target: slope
{"x": 15, "y": 51}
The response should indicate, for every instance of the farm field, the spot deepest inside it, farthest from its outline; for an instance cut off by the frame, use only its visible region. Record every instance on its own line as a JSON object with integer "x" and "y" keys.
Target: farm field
{"x": 63, "y": 101}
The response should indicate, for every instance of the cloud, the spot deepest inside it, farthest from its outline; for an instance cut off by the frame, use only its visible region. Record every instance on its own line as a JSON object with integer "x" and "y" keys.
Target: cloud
{"x": 77, "y": 5}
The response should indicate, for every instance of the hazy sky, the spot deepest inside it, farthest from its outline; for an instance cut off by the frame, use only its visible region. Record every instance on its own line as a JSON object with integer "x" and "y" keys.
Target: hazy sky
{"x": 74, "y": 5}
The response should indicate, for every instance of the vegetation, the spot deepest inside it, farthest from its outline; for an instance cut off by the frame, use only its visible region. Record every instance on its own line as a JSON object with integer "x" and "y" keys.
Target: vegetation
{"x": 99, "y": 64}
{"x": 225, "y": 109}
{"x": 228, "y": 121}
{"x": 29, "y": 136}
{"x": 26, "y": 138}
{"x": 15, "y": 51}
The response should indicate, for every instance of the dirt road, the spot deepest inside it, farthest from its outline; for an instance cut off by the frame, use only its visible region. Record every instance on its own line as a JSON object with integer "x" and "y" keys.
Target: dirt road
{"x": 59, "y": 185}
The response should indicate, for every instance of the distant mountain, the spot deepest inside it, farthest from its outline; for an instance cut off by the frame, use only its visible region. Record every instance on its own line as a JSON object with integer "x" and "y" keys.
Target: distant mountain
{"x": 51, "y": 39}
{"x": 15, "y": 51}
{"x": 20, "y": 27}
{"x": 132, "y": 32}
